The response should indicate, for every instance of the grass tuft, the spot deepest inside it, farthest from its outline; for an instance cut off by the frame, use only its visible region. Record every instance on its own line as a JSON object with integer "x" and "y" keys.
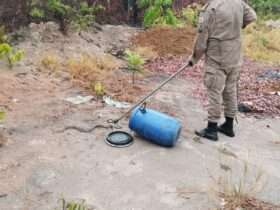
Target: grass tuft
{"x": 238, "y": 188}
{"x": 262, "y": 43}
{"x": 51, "y": 62}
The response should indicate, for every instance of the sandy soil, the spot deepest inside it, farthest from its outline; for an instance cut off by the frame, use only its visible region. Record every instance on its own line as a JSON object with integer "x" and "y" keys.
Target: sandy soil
{"x": 39, "y": 164}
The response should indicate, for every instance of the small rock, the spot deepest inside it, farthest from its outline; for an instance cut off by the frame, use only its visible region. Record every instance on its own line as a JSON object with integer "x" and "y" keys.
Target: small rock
{"x": 270, "y": 74}
{"x": 21, "y": 74}
{"x": 225, "y": 167}
{"x": 197, "y": 139}
{"x": 245, "y": 107}
{"x": 63, "y": 76}
{"x": 51, "y": 26}
{"x": 3, "y": 195}
{"x": 15, "y": 100}
{"x": 277, "y": 93}
{"x": 76, "y": 100}
{"x": 273, "y": 23}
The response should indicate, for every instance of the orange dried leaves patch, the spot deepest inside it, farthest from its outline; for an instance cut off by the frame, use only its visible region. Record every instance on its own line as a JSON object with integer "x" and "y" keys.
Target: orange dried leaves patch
{"x": 167, "y": 40}
{"x": 87, "y": 71}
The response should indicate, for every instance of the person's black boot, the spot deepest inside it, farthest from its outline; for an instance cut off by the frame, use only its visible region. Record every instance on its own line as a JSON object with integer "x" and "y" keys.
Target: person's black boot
{"x": 211, "y": 132}
{"x": 227, "y": 127}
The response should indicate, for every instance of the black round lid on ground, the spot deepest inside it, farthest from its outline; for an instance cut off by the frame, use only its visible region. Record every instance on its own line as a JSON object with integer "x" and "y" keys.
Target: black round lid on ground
{"x": 119, "y": 139}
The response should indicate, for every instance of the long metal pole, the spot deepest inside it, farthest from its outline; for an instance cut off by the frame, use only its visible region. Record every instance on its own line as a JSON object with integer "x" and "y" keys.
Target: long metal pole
{"x": 141, "y": 101}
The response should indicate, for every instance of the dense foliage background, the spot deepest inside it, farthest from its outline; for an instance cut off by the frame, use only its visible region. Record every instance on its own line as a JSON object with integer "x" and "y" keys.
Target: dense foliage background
{"x": 267, "y": 8}
{"x": 14, "y": 13}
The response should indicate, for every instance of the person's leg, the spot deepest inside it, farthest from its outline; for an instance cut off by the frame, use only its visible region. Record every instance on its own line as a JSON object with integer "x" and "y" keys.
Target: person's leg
{"x": 230, "y": 102}
{"x": 214, "y": 80}
{"x": 215, "y": 84}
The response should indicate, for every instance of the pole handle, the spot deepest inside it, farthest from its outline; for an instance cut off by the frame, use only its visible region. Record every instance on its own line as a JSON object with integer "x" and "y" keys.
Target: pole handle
{"x": 142, "y": 100}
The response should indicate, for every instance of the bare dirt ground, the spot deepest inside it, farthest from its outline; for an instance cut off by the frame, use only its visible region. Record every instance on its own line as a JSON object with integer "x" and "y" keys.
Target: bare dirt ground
{"x": 163, "y": 41}
{"x": 39, "y": 164}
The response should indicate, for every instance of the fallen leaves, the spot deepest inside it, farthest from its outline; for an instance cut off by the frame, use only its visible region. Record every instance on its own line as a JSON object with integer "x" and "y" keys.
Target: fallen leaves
{"x": 252, "y": 89}
{"x": 248, "y": 203}
{"x": 258, "y": 91}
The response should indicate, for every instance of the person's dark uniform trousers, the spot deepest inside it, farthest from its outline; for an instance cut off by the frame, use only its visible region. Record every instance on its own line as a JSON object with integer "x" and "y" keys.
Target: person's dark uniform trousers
{"x": 219, "y": 39}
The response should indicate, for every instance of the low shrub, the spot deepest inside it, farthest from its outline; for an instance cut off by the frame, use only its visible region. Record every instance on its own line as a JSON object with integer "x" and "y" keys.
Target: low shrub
{"x": 135, "y": 63}
{"x": 158, "y": 12}
{"x": 73, "y": 205}
{"x": 85, "y": 15}
{"x": 190, "y": 14}
{"x": 262, "y": 43}
{"x": 90, "y": 71}
{"x": 3, "y": 36}
{"x": 11, "y": 55}
{"x": 267, "y": 9}
{"x": 81, "y": 15}
{"x": 51, "y": 62}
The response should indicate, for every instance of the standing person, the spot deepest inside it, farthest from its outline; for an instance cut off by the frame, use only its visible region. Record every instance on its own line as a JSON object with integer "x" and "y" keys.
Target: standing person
{"x": 219, "y": 39}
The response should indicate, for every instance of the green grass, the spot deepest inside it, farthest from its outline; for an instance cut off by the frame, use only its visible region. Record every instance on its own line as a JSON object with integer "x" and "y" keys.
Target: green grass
{"x": 262, "y": 43}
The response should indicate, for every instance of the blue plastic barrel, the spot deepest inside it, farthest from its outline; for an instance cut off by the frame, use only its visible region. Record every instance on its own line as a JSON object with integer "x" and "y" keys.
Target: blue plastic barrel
{"x": 155, "y": 126}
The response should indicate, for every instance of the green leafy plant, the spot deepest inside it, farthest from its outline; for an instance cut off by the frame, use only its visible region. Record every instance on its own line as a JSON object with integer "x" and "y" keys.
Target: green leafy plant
{"x": 268, "y": 9}
{"x": 58, "y": 7}
{"x": 72, "y": 205}
{"x": 158, "y": 12}
{"x": 37, "y": 13}
{"x": 85, "y": 15}
{"x": 61, "y": 12}
{"x": 98, "y": 88}
{"x": 190, "y": 14}
{"x": 52, "y": 10}
{"x": 3, "y": 36}
{"x": 135, "y": 63}
{"x": 81, "y": 15}
{"x": 10, "y": 54}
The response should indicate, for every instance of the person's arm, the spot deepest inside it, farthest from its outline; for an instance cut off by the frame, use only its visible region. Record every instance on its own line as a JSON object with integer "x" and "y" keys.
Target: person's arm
{"x": 249, "y": 15}
{"x": 205, "y": 21}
